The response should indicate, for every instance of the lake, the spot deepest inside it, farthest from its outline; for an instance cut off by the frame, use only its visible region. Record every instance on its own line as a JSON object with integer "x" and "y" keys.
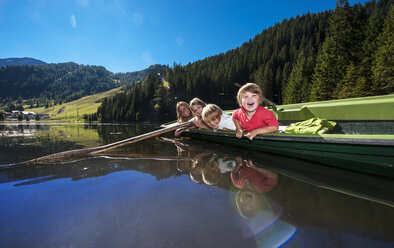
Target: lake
{"x": 179, "y": 192}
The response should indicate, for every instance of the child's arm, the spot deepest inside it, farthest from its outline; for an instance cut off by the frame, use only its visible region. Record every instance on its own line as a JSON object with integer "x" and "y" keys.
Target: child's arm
{"x": 262, "y": 171}
{"x": 262, "y": 130}
{"x": 238, "y": 129}
{"x": 182, "y": 129}
{"x": 239, "y": 164}
{"x": 199, "y": 123}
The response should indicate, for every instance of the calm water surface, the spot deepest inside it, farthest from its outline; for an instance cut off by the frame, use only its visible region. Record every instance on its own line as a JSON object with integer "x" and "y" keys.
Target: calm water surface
{"x": 166, "y": 192}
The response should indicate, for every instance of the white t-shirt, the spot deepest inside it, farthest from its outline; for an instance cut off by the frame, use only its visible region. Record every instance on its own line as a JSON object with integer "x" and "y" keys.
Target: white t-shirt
{"x": 226, "y": 122}
{"x": 226, "y": 164}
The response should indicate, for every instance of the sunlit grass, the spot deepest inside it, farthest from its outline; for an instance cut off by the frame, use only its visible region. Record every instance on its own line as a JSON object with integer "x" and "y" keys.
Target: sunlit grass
{"x": 75, "y": 110}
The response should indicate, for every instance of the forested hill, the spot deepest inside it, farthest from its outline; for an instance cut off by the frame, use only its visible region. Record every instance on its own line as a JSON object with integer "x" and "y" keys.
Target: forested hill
{"x": 20, "y": 61}
{"x": 138, "y": 75}
{"x": 51, "y": 84}
{"x": 334, "y": 54}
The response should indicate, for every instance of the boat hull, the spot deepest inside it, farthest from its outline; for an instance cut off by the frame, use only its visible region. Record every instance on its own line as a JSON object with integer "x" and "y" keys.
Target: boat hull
{"x": 371, "y": 154}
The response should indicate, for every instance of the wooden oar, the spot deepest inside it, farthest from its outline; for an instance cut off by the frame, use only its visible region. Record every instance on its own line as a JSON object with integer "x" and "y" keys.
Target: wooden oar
{"x": 73, "y": 155}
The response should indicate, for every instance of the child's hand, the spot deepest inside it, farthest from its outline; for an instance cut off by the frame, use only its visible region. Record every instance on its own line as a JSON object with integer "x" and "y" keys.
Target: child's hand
{"x": 250, "y": 164}
{"x": 239, "y": 133}
{"x": 178, "y": 132}
{"x": 238, "y": 160}
{"x": 251, "y": 135}
{"x": 196, "y": 121}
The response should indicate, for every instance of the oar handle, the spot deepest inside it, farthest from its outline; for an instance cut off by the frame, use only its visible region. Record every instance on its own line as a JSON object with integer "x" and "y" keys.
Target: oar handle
{"x": 74, "y": 155}
{"x": 141, "y": 137}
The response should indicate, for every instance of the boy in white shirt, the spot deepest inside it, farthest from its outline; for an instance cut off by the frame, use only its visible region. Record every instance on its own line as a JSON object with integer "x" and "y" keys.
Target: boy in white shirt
{"x": 214, "y": 117}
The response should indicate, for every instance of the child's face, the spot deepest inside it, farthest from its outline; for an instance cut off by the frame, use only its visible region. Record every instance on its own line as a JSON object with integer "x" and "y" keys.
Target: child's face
{"x": 211, "y": 173}
{"x": 183, "y": 111}
{"x": 214, "y": 123}
{"x": 250, "y": 101}
{"x": 249, "y": 202}
{"x": 197, "y": 109}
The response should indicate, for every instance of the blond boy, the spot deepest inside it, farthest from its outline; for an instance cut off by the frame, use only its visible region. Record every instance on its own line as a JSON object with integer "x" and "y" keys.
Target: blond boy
{"x": 251, "y": 117}
{"x": 214, "y": 117}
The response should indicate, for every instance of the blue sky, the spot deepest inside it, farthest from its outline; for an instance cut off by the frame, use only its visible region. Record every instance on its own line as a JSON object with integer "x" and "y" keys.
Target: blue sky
{"x": 130, "y": 35}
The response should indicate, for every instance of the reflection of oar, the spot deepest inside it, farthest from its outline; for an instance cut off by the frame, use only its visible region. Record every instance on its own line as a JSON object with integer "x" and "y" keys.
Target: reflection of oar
{"x": 73, "y": 155}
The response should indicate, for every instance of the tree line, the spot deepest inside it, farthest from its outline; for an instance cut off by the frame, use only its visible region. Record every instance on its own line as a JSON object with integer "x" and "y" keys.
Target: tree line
{"x": 51, "y": 84}
{"x": 329, "y": 55}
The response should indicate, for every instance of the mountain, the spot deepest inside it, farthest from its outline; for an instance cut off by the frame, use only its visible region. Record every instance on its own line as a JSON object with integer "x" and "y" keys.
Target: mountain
{"x": 52, "y": 84}
{"x": 20, "y": 61}
{"x": 139, "y": 75}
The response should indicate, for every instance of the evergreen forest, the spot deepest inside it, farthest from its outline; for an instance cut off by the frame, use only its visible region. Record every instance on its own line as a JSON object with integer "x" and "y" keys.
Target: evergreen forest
{"x": 52, "y": 84}
{"x": 336, "y": 54}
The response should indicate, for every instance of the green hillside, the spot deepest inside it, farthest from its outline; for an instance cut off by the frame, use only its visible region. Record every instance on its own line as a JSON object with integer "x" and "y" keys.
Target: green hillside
{"x": 75, "y": 110}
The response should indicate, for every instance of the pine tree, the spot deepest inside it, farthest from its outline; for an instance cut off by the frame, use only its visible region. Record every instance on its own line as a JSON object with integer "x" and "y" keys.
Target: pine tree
{"x": 297, "y": 89}
{"x": 338, "y": 51}
{"x": 383, "y": 64}
{"x": 349, "y": 83}
{"x": 369, "y": 47}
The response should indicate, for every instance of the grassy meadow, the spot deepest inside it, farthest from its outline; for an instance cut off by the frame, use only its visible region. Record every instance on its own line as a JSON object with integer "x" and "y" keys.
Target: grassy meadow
{"x": 74, "y": 111}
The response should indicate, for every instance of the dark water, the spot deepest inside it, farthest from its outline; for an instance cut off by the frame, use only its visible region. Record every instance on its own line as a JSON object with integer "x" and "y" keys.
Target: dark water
{"x": 166, "y": 192}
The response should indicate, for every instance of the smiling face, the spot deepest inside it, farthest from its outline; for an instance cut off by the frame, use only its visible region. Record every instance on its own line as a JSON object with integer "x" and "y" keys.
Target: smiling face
{"x": 197, "y": 110}
{"x": 183, "y": 111}
{"x": 250, "y": 101}
{"x": 214, "y": 123}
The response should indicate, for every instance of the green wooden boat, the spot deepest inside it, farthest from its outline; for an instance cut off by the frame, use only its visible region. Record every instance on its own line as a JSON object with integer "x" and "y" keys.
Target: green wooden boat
{"x": 362, "y": 140}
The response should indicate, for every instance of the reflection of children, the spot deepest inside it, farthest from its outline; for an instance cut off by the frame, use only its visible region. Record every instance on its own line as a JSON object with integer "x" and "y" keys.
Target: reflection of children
{"x": 197, "y": 167}
{"x": 211, "y": 174}
{"x": 226, "y": 164}
{"x": 252, "y": 181}
{"x": 214, "y": 117}
{"x": 251, "y": 117}
{"x": 196, "y": 173}
{"x": 197, "y": 105}
{"x": 184, "y": 165}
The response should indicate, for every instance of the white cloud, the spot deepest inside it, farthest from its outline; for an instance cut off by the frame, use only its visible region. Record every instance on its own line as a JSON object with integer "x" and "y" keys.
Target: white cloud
{"x": 73, "y": 21}
{"x": 138, "y": 19}
{"x": 180, "y": 41}
{"x": 148, "y": 58}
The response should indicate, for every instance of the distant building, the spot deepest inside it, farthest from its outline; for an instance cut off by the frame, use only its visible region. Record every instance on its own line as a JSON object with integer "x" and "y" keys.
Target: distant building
{"x": 26, "y": 115}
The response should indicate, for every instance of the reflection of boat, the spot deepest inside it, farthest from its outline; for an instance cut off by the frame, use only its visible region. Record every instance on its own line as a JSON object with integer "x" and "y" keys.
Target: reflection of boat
{"x": 362, "y": 140}
{"x": 357, "y": 185}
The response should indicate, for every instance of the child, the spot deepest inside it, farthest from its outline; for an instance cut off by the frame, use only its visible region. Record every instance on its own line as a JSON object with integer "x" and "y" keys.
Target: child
{"x": 251, "y": 117}
{"x": 211, "y": 173}
{"x": 197, "y": 105}
{"x": 184, "y": 114}
{"x": 252, "y": 181}
{"x": 213, "y": 116}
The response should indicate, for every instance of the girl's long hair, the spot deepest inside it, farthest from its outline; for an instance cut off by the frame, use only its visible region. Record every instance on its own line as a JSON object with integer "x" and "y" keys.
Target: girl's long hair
{"x": 182, "y": 119}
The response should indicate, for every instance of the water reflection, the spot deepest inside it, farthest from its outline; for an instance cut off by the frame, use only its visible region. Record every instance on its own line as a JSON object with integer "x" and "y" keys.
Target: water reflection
{"x": 257, "y": 215}
{"x": 179, "y": 192}
{"x": 22, "y": 142}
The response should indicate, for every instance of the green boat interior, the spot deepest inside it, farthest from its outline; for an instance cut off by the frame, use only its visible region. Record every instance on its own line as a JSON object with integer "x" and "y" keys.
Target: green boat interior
{"x": 364, "y": 115}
